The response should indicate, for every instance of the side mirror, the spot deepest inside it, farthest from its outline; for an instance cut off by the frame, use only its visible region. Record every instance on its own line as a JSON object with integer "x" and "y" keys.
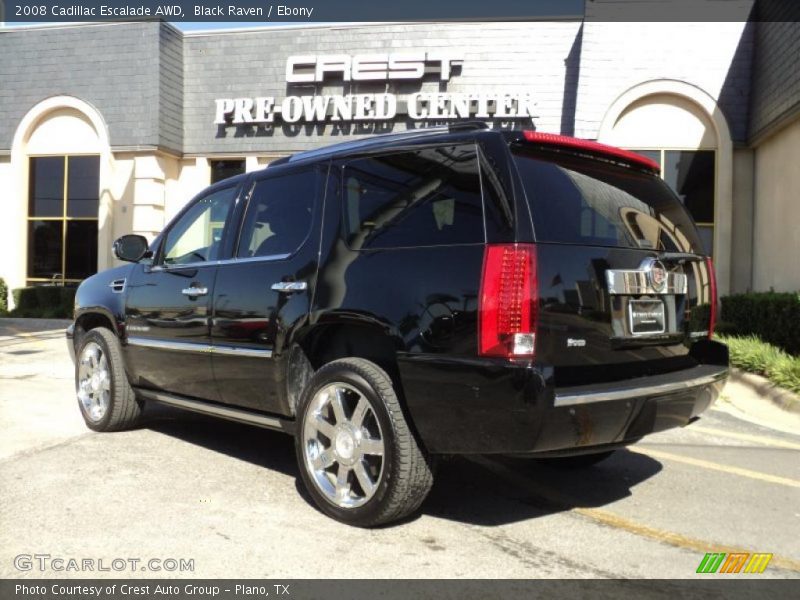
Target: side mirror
{"x": 131, "y": 248}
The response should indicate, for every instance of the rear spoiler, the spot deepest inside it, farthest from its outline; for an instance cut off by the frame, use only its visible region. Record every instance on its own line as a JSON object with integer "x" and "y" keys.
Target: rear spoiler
{"x": 592, "y": 147}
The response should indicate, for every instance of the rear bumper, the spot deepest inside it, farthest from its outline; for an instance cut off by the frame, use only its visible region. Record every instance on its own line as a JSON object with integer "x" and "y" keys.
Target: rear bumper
{"x": 484, "y": 406}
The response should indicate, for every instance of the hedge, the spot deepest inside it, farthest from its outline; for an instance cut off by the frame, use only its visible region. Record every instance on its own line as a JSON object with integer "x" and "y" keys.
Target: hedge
{"x": 3, "y": 297}
{"x": 44, "y": 301}
{"x": 771, "y": 316}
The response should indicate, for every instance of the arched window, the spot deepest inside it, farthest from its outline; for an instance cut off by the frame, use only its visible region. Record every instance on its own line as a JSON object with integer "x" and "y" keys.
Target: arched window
{"x": 61, "y": 153}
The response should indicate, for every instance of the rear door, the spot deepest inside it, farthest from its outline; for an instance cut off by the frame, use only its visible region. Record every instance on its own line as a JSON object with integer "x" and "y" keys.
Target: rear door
{"x": 264, "y": 290}
{"x": 621, "y": 270}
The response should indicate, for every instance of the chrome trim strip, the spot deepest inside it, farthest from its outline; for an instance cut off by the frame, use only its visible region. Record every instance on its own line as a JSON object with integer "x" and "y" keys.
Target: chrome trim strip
{"x": 168, "y": 345}
{"x": 635, "y": 282}
{"x": 589, "y": 396}
{"x": 216, "y": 263}
{"x": 198, "y": 347}
{"x": 238, "y": 351}
{"x": 230, "y": 413}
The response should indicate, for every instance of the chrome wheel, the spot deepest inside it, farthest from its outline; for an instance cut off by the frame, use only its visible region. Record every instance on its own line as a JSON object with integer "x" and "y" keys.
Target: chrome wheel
{"x": 94, "y": 381}
{"x": 343, "y": 445}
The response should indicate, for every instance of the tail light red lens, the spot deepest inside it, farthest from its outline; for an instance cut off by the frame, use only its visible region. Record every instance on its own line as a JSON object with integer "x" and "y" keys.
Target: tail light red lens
{"x": 712, "y": 283}
{"x": 509, "y": 293}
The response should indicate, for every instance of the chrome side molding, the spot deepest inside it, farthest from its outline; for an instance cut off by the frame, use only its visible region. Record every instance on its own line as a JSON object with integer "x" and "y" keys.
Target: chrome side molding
{"x": 199, "y": 347}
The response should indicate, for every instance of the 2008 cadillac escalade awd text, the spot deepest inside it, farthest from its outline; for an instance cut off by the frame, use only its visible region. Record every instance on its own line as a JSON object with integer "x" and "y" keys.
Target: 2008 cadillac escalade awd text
{"x": 446, "y": 291}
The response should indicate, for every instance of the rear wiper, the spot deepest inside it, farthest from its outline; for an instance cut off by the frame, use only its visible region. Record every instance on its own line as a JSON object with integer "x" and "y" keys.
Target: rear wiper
{"x": 679, "y": 257}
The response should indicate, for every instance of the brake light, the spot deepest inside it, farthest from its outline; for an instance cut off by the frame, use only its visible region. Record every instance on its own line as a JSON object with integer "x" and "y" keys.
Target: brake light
{"x": 712, "y": 284}
{"x": 564, "y": 141}
{"x": 508, "y": 297}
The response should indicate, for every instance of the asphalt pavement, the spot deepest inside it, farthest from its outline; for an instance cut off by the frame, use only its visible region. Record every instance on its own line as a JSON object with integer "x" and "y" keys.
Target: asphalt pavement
{"x": 225, "y": 498}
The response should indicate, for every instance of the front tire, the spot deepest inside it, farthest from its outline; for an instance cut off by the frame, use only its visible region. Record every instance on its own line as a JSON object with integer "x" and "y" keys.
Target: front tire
{"x": 358, "y": 458}
{"x": 105, "y": 397}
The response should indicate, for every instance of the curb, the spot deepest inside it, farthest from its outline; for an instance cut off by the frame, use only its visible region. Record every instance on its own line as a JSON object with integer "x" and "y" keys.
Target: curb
{"x": 783, "y": 399}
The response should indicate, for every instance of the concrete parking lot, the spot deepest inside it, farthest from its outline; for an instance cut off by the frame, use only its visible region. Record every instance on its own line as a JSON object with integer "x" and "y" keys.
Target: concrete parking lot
{"x": 228, "y": 496}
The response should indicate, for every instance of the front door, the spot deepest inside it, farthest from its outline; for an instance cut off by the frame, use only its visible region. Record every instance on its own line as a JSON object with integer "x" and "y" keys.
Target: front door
{"x": 169, "y": 302}
{"x": 264, "y": 290}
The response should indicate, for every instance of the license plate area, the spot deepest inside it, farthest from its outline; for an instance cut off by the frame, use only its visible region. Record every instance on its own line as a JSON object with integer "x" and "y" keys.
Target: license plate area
{"x": 646, "y": 317}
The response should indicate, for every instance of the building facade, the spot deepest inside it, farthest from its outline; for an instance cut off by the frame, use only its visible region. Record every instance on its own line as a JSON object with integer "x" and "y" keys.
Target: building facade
{"x": 107, "y": 129}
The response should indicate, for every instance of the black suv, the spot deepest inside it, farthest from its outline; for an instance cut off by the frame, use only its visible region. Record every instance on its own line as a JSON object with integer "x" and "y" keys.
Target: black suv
{"x": 448, "y": 291}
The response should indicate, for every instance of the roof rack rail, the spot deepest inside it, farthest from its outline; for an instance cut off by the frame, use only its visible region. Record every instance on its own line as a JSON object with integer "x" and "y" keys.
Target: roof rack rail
{"x": 377, "y": 139}
{"x": 468, "y": 126}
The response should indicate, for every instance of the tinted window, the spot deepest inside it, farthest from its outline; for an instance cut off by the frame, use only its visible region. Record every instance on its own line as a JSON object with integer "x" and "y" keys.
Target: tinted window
{"x": 691, "y": 175}
{"x": 197, "y": 235}
{"x": 430, "y": 197}
{"x": 278, "y": 215}
{"x": 581, "y": 201}
{"x": 45, "y": 244}
{"x": 222, "y": 169}
{"x": 46, "y": 187}
{"x": 83, "y": 189}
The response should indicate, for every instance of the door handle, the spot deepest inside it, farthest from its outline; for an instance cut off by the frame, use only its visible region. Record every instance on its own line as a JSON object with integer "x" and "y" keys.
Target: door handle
{"x": 193, "y": 292}
{"x": 290, "y": 286}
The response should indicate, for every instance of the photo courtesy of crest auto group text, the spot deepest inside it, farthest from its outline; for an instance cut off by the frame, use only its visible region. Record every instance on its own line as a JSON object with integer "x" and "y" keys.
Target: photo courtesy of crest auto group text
{"x": 431, "y": 300}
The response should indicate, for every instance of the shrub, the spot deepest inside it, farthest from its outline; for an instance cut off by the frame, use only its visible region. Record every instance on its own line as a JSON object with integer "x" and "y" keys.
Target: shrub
{"x": 751, "y": 354}
{"x": 45, "y": 301}
{"x": 3, "y": 297}
{"x": 773, "y": 317}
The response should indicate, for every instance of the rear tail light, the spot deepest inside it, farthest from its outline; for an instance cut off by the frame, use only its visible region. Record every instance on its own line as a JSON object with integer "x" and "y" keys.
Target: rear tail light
{"x": 509, "y": 293}
{"x": 712, "y": 283}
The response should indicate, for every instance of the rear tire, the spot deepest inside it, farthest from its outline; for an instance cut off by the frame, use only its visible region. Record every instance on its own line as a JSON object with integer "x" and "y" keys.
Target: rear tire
{"x": 105, "y": 397}
{"x": 358, "y": 458}
{"x": 580, "y": 461}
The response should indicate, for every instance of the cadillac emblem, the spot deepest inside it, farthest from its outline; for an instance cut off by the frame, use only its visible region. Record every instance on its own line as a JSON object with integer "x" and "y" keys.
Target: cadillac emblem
{"x": 657, "y": 275}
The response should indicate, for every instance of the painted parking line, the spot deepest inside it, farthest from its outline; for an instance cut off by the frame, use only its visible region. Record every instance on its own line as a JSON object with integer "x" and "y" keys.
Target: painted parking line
{"x": 675, "y": 539}
{"x": 745, "y": 437}
{"x": 713, "y": 466}
{"x": 32, "y": 335}
{"x": 616, "y": 521}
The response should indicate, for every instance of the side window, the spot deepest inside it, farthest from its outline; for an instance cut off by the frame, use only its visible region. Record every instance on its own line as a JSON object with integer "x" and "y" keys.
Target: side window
{"x": 428, "y": 197}
{"x": 197, "y": 235}
{"x": 278, "y": 216}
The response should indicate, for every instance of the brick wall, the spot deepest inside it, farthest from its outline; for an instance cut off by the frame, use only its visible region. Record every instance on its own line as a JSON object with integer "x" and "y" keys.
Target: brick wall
{"x": 113, "y": 67}
{"x": 776, "y": 72}
{"x": 715, "y": 57}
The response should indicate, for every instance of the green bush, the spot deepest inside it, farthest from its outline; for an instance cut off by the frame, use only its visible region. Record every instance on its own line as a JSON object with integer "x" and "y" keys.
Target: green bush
{"x": 755, "y": 356}
{"x": 44, "y": 301}
{"x": 773, "y": 317}
{"x": 3, "y": 297}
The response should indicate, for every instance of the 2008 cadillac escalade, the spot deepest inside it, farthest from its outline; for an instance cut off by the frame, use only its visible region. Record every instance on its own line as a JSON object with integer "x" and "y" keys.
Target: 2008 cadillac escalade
{"x": 447, "y": 291}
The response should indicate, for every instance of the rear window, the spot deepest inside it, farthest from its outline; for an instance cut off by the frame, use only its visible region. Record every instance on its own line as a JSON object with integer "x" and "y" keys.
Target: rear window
{"x": 582, "y": 201}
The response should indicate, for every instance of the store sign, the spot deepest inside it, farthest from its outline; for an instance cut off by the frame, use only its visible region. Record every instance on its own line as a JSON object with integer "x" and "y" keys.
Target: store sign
{"x": 370, "y": 67}
{"x": 317, "y": 70}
